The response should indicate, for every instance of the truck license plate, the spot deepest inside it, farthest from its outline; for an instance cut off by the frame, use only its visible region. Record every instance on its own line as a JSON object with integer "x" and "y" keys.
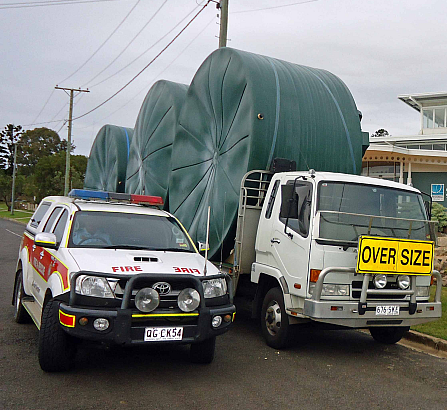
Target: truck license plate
{"x": 387, "y": 310}
{"x": 161, "y": 334}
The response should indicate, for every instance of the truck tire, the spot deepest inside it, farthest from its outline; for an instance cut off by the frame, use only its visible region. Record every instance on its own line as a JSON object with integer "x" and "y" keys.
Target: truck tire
{"x": 56, "y": 348}
{"x": 203, "y": 352}
{"x": 388, "y": 335}
{"x": 20, "y": 313}
{"x": 274, "y": 320}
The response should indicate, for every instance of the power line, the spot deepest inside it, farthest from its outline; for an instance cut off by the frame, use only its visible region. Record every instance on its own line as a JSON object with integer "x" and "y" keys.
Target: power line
{"x": 102, "y": 45}
{"x": 22, "y": 5}
{"x": 158, "y": 75}
{"x": 128, "y": 45}
{"x": 46, "y": 102}
{"x": 274, "y": 7}
{"x": 144, "y": 52}
{"x": 150, "y": 62}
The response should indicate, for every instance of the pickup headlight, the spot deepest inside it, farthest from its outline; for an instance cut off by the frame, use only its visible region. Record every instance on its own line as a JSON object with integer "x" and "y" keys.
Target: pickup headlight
{"x": 93, "y": 286}
{"x": 214, "y": 288}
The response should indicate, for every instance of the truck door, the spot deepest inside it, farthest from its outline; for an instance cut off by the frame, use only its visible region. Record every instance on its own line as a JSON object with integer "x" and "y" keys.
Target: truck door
{"x": 291, "y": 238}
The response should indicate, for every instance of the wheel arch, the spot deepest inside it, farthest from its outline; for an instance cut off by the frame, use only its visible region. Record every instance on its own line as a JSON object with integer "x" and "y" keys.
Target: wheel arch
{"x": 265, "y": 283}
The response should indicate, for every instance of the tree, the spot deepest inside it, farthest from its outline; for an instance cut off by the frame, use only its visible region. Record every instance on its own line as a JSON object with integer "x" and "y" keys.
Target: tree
{"x": 39, "y": 143}
{"x": 381, "y": 133}
{"x": 49, "y": 175}
{"x": 8, "y": 137}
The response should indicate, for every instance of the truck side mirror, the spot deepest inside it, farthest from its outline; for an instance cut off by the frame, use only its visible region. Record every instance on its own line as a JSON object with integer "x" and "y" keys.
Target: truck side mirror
{"x": 46, "y": 240}
{"x": 289, "y": 202}
{"x": 201, "y": 246}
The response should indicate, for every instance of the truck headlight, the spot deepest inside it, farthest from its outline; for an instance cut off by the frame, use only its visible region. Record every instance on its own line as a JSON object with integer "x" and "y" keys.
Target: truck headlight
{"x": 403, "y": 281}
{"x": 423, "y": 291}
{"x": 380, "y": 281}
{"x": 93, "y": 286}
{"x": 214, "y": 288}
{"x": 334, "y": 290}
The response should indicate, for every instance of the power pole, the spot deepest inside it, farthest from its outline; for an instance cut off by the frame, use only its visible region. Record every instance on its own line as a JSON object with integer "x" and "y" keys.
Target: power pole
{"x": 70, "y": 117}
{"x": 223, "y": 5}
{"x": 14, "y": 166}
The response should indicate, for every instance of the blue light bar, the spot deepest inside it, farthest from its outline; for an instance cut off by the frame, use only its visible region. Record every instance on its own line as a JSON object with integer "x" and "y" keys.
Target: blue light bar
{"x": 88, "y": 194}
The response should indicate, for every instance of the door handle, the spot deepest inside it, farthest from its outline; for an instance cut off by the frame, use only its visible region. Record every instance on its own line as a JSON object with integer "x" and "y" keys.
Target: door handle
{"x": 275, "y": 240}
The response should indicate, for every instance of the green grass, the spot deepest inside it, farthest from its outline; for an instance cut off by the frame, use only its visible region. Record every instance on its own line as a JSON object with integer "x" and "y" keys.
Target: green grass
{"x": 437, "y": 328}
{"x": 19, "y": 215}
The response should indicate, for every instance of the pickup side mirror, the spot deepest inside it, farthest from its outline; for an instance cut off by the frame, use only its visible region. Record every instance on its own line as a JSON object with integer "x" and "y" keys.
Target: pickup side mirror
{"x": 289, "y": 202}
{"x": 46, "y": 240}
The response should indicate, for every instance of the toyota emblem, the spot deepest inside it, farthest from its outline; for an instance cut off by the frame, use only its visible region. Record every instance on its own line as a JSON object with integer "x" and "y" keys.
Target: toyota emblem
{"x": 163, "y": 288}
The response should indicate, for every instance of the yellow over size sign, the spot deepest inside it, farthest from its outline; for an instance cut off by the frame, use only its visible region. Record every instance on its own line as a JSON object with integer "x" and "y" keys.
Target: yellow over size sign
{"x": 394, "y": 256}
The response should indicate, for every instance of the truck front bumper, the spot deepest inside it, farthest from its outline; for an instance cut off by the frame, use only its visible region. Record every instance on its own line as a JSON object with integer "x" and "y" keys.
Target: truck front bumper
{"x": 346, "y": 313}
{"x": 362, "y": 313}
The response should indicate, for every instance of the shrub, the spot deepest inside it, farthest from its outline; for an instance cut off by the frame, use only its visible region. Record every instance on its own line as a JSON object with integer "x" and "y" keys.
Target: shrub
{"x": 439, "y": 213}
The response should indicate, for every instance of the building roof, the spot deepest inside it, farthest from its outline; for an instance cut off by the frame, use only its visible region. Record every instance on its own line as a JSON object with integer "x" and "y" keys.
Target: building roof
{"x": 418, "y": 101}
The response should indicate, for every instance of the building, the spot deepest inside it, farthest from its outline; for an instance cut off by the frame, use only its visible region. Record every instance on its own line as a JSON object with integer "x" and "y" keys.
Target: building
{"x": 420, "y": 159}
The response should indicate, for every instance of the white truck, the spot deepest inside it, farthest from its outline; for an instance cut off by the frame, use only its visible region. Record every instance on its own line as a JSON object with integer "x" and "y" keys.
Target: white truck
{"x": 345, "y": 250}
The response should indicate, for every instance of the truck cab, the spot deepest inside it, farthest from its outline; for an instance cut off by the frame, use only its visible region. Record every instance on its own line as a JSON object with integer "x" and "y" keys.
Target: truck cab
{"x": 340, "y": 249}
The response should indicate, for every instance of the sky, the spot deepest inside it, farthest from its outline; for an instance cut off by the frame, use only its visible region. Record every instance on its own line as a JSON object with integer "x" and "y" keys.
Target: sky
{"x": 379, "y": 48}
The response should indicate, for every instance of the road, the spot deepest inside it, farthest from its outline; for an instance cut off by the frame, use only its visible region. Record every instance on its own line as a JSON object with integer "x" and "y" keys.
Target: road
{"x": 323, "y": 369}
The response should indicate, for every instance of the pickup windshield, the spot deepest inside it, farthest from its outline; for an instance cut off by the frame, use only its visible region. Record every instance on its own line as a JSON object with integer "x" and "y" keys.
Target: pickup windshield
{"x": 348, "y": 210}
{"x": 115, "y": 230}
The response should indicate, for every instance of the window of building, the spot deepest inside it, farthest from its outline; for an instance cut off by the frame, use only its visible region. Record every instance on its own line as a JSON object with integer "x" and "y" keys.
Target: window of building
{"x": 434, "y": 117}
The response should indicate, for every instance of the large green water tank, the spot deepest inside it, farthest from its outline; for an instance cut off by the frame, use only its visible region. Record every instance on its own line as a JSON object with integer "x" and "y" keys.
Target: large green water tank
{"x": 107, "y": 163}
{"x": 241, "y": 111}
{"x": 149, "y": 163}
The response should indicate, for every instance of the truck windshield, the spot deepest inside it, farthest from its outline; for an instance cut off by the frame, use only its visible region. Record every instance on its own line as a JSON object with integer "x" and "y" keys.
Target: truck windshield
{"x": 114, "y": 230}
{"x": 348, "y": 210}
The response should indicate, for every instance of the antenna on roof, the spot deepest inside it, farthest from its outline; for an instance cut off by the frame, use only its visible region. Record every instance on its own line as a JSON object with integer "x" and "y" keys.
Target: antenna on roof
{"x": 207, "y": 239}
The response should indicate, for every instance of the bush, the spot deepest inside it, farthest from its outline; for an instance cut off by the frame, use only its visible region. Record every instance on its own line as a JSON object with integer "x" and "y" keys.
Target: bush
{"x": 439, "y": 213}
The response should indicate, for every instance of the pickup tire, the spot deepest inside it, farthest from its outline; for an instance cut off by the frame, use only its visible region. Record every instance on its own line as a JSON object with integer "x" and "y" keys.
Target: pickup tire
{"x": 56, "y": 348}
{"x": 203, "y": 352}
{"x": 388, "y": 335}
{"x": 274, "y": 320}
{"x": 20, "y": 313}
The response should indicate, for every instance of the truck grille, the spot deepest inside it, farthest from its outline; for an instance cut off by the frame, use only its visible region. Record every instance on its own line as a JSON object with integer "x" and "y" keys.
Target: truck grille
{"x": 357, "y": 290}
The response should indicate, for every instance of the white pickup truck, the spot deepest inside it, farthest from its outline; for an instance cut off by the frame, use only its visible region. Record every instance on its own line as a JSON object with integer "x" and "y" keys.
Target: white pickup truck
{"x": 340, "y": 249}
{"x": 110, "y": 268}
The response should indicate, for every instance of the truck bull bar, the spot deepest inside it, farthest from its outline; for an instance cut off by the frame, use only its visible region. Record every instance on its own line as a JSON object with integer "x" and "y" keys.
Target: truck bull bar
{"x": 313, "y": 305}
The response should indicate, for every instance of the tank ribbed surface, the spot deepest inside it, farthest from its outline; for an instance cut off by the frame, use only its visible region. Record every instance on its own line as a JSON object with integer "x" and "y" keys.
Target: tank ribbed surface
{"x": 107, "y": 163}
{"x": 241, "y": 111}
{"x": 149, "y": 163}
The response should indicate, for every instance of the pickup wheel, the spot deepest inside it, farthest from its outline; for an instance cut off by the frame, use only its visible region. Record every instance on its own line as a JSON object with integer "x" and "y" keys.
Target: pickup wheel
{"x": 274, "y": 320}
{"x": 20, "y": 313}
{"x": 56, "y": 348}
{"x": 388, "y": 335}
{"x": 203, "y": 352}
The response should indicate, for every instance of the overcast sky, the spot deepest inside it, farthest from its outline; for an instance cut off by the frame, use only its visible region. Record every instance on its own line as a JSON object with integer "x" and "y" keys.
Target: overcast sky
{"x": 379, "y": 48}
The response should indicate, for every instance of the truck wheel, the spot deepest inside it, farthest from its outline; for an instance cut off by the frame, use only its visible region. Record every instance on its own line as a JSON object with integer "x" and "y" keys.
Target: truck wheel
{"x": 56, "y": 349}
{"x": 274, "y": 320}
{"x": 20, "y": 313}
{"x": 203, "y": 352}
{"x": 388, "y": 335}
